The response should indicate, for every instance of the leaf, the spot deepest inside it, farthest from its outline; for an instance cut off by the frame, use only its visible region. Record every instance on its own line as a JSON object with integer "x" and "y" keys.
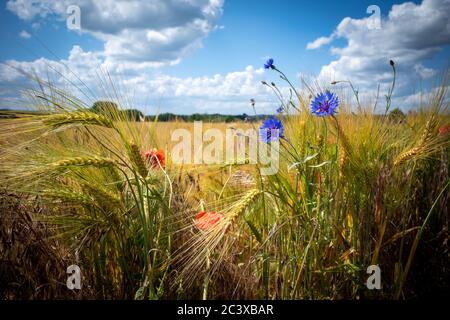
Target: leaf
{"x": 293, "y": 165}
{"x": 139, "y": 294}
{"x": 310, "y": 157}
{"x": 347, "y": 253}
{"x": 334, "y": 152}
{"x": 320, "y": 165}
{"x": 254, "y": 230}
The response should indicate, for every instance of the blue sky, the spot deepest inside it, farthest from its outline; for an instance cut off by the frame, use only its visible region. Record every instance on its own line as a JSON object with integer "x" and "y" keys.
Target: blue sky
{"x": 208, "y": 56}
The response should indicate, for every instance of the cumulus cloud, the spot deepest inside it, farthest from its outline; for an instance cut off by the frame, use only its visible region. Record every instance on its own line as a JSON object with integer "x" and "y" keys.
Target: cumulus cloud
{"x": 151, "y": 33}
{"x": 139, "y": 36}
{"x": 410, "y": 34}
{"x": 424, "y": 72}
{"x": 24, "y": 35}
{"x": 319, "y": 42}
{"x": 83, "y": 74}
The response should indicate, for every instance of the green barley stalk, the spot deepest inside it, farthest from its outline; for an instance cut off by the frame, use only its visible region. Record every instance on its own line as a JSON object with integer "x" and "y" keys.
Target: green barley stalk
{"x": 135, "y": 155}
{"x": 242, "y": 205}
{"x": 86, "y": 118}
{"x": 84, "y": 161}
{"x": 67, "y": 195}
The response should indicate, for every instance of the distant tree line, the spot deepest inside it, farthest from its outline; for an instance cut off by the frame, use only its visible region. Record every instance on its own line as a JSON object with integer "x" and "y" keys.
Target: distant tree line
{"x": 109, "y": 108}
{"x": 112, "y": 109}
{"x": 206, "y": 117}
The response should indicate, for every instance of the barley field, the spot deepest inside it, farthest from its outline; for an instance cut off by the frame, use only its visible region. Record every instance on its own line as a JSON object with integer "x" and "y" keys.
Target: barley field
{"x": 353, "y": 189}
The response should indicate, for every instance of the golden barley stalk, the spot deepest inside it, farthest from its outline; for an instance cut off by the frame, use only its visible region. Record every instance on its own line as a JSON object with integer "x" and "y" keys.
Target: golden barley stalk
{"x": 428, "y": 131}
{"x": 342, "y": 160}
{"x": 427, "y": 135}
{"x": 84, "y": 161}
{"x": 77, "y": 117}
{"x": 137, "y": 160}
{"x": 241, "y": 205}
{"x": 117, "y": 179}
{"x": 407, "y": 155}
{"x": 344, "y": 143}
{"x": 103, "y": 196}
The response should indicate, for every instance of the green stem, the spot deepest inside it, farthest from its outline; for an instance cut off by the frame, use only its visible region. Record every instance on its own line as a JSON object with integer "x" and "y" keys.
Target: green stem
{"x": 416, "y": 243}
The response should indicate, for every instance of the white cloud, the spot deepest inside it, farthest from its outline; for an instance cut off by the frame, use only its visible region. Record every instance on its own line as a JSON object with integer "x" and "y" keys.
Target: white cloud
{"x": 409, "y": 35}
{"x": 151, "y": 33}
{"x": 24, "y": 35}
{"x": 319, "y": 42}
{"x": 423, "y": 72}
{"x": 221, "y": 93}
{"x": 138, "y": 36}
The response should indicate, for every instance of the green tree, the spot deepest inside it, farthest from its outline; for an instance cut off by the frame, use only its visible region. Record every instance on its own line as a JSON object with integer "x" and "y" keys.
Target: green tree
{"x": 133, "y": 114}
{"x": 229, "y": 119}
{"x": 397, "y": 115}
{"x": 105, "y": 107}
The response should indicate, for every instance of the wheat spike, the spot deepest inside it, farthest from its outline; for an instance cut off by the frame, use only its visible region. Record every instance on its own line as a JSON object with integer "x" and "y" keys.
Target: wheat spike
{"x": 67, "y": 195}
{"x": 84, "y": 161}
{"x": 428, "y": 131}
{"x": 58, "y": 120}
{"x": 343, "y": 139}
{"x": 137, "y": 160}
{"x": 344, "y": 150}
{"x": 241, "y": 205}
{"x": 427, "y": 135}
{"x": 342, "y": 160}
{"x": 116, "y": 178}
{"x": 103, "y": 196}
{"x": 407, "y": 155}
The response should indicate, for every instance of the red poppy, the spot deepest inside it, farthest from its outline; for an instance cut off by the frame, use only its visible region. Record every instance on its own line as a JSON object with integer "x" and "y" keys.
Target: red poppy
{"x": 207, "y": 220}
{"x": 156, "y": 158}
{"x": 443, "y": 130}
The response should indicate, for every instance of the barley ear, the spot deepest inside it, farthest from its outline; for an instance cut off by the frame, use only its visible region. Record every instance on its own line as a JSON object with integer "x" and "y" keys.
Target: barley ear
{"x": 103, "y": 196}
{"x": 137, "y": 160}
{"x": 88, "y": 118}
{"x": 420, "y": 147}
{"x": 342, "y": 160}
{"x": 84, "y": 161}
{"x": 242, "y": 205}
{"x": 67, "y": 195}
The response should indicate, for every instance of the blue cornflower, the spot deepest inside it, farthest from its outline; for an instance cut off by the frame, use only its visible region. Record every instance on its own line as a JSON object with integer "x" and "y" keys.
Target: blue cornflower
{"x": 325, "y": 104}
{"x": 269, "y": 64}
{"x": 280, "y": 109}
{"x": 271, "y": 130}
